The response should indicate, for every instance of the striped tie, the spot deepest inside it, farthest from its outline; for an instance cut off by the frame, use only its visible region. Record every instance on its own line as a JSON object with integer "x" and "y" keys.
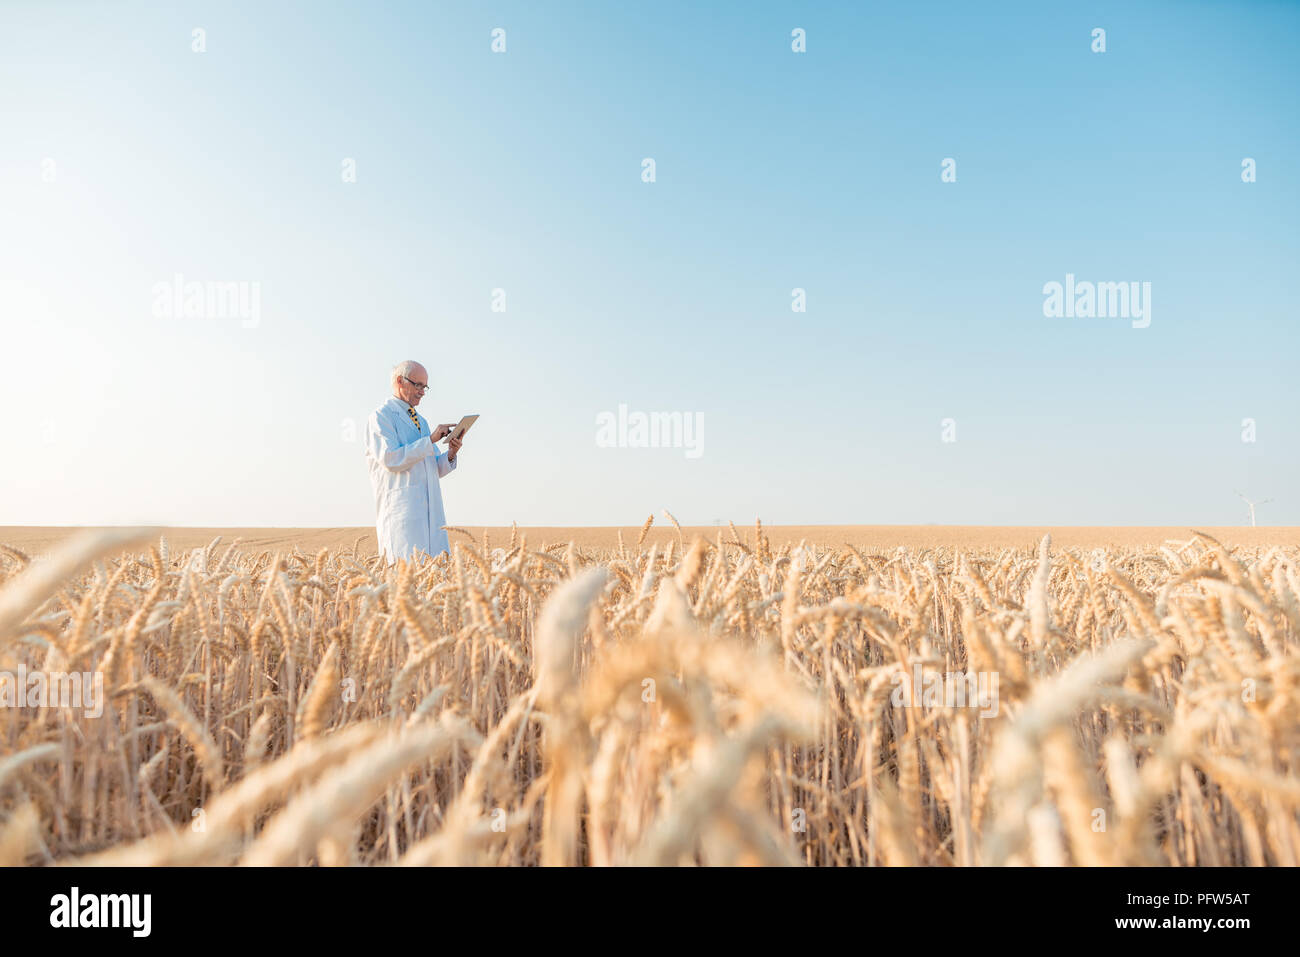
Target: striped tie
{"x": 414, "y": 418}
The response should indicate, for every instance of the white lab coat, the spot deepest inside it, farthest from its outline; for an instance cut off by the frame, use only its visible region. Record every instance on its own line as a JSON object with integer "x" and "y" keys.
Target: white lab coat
{"x": 405, "y": 467}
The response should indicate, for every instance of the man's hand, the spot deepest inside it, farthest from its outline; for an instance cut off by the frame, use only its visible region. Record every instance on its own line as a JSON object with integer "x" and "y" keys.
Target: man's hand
{"x": 452, "y": 448}
{"x": 440, "y": 432}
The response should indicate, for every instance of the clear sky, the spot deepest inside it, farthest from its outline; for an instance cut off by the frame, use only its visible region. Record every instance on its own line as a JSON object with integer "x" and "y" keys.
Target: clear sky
{"x": 127, "y": 158}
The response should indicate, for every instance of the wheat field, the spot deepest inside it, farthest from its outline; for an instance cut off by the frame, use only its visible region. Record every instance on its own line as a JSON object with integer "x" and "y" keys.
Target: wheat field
{"x": 668, "y": 699}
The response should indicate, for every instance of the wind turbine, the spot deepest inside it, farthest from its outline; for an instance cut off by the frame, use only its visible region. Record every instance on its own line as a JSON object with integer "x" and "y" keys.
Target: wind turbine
{"x": 1252, "y": 505}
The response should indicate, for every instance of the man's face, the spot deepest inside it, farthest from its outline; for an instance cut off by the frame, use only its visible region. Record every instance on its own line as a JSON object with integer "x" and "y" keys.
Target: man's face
{"x": 411, "y": 387}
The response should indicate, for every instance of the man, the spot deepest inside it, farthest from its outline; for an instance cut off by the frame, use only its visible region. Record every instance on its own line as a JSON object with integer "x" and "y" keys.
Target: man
{"x": 405, "y": 467}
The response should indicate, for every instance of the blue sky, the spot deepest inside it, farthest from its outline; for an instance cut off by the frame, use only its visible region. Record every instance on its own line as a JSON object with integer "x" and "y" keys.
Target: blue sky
{"x": 774, "y": 170}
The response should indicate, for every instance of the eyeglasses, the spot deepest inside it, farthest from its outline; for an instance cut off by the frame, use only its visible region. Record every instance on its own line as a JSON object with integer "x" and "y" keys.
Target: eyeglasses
{"x": 422, "y": 386}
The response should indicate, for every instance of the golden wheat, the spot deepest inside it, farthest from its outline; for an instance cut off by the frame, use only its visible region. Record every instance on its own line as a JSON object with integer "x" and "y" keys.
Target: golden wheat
{"x": 715, "y": 702}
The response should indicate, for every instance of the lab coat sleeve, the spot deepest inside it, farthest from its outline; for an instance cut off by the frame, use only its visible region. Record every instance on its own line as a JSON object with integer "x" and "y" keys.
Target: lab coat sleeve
{"x": 383, "y": 443}
{"x": 445, "y": 464}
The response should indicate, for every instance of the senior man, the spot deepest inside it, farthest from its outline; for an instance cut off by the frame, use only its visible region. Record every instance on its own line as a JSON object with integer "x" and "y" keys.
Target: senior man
{"x": 405, "y": 467}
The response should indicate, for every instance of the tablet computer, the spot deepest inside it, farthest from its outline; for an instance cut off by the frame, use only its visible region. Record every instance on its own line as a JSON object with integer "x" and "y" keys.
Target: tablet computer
{"x": 462, "y": 427}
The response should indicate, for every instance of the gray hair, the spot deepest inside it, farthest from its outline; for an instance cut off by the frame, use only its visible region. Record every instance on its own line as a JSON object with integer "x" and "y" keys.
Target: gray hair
{"x": 403, "y": 369}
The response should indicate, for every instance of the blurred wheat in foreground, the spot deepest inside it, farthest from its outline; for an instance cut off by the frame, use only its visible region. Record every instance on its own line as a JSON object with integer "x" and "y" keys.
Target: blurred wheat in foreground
{"x": 711, "y": 702}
